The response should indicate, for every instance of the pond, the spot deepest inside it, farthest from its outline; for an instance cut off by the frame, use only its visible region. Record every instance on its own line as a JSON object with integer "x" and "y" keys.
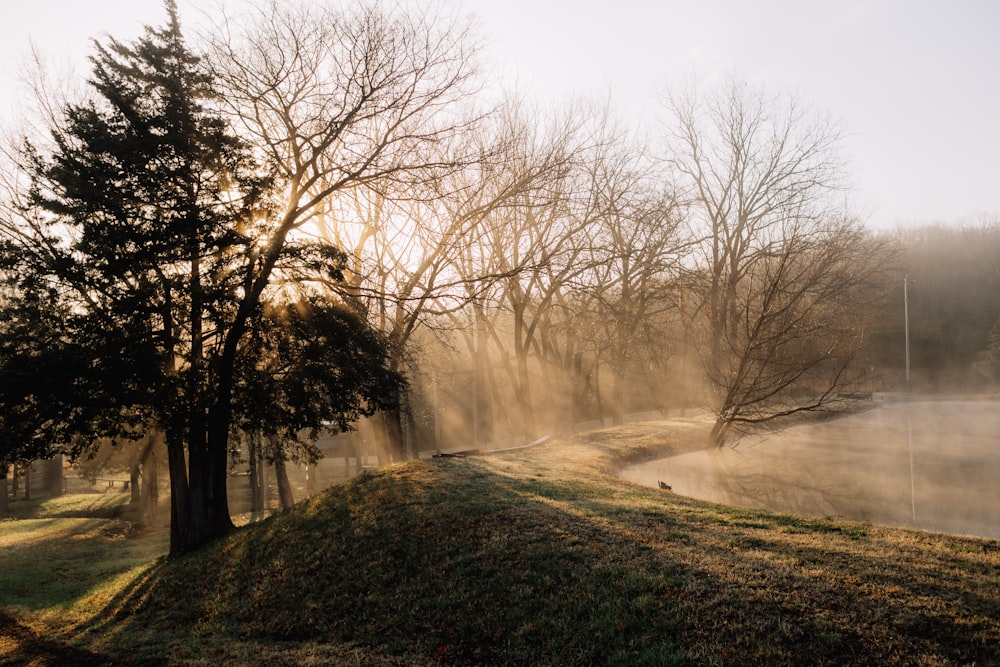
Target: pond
{"x": 926, "y": 464}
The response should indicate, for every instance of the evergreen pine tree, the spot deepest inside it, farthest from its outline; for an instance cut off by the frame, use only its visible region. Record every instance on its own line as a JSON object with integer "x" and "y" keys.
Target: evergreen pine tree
{"x": 146, "y": 204}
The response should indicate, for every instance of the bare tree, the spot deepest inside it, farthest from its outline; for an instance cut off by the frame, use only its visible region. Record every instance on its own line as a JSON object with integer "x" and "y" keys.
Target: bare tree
{"x": 408, "y": 241}
{"x": 526, "y": 253}
{"x": 573, "y": 269}
{"x": 341, "y": 101}
{"x": 634, "y": 247}
{"x": 779, "y": 264}
{"x": 345, "y": 98}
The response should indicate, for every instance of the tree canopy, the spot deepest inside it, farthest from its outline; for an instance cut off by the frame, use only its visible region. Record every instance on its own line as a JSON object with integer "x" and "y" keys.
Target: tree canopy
{"x": 313, "y": 216}
{"x": 143, "y": 258}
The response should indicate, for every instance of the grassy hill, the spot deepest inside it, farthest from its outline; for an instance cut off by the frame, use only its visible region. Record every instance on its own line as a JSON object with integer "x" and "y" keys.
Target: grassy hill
{"x": 538, "y": 556}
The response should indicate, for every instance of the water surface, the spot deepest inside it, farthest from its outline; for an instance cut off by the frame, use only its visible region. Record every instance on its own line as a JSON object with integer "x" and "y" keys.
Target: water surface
{"x": 928, "y": 464}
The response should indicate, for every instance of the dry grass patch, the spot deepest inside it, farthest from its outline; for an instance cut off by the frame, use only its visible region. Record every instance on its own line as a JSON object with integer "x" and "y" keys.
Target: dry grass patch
{"x": 542, "y": 556}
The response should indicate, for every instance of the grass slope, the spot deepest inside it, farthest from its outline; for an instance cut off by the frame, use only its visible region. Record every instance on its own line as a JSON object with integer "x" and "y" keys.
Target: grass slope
{"x": 539, "y": 556}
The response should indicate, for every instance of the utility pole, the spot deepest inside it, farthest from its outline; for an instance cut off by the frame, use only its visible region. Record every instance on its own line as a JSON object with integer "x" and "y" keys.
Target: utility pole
{"x": 906, "y": 327}
{"x": 909, "y": 421}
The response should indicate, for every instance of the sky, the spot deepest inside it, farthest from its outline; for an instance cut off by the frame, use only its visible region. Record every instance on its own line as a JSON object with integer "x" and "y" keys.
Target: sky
{"x": 914, "y": 82}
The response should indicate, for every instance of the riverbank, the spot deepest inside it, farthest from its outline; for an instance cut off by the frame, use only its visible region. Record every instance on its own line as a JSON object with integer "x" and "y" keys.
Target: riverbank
{"x": 928, "y": 464}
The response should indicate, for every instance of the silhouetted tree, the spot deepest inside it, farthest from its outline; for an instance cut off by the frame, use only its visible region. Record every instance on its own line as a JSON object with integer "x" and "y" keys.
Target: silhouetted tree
{"x": 4, "y": 492}
{"x": 162, "y": 234}
{"x": 348, "y": 100}
{"x": 309, "y": 366}
{"x": 142, "y": 220}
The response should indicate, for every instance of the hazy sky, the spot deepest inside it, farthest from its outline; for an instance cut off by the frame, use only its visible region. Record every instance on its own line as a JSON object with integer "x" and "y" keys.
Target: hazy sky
{"x": 915, "y": 82}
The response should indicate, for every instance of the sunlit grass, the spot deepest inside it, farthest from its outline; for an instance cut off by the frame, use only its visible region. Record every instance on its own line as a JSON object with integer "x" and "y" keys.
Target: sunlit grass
{"x": 62, "y": 562}
{"x": 539, "y": 556}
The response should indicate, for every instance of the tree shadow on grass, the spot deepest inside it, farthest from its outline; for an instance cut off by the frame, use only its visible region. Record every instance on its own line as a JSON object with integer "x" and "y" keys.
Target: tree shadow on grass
{"x": 28, "y": 647}
{"x": 454, "y": 562}
{"x": 56, "y": 562}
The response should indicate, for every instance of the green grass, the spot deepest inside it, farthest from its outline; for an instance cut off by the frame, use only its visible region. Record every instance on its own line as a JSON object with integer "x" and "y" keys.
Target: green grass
{"x": 56, "y": 555}
{"x": 536, "y": 557}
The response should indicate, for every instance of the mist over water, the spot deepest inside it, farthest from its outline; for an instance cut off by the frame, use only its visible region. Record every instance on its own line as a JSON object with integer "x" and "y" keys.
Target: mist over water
{"x": 926, "y": 464}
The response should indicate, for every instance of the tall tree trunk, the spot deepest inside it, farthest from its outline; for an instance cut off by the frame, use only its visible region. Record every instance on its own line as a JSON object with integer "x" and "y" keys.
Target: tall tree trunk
{"x": 523, "y": 391}
{"x": 407, "y": 426}
{"x": 54, "y": 476}
{"x": 483, "y": 431}
{"x": 392, "y": 431}
{"x": 524, "y": 398}
{"x": 255, "y": 477}
{"x": 496, "y": 413}
{"x": 208, "y": 428}
{"x": 208, "y": 451}
{"x": 209, "y": 514}
{"x": 580, "y": 384}
{"x": 199, "y": 523}
{"x": 618, "y": 388}
{"x": 180, "y": 494}
{"x": 4, "y": 505}
{"x": 138, "y": 473}
{"x": 598, "y": 393}
{"x": 285, "y": 497}
{"x": 133, "y": 479}
{"x": 149, "y": 497}
{"x": 717, "y": 438}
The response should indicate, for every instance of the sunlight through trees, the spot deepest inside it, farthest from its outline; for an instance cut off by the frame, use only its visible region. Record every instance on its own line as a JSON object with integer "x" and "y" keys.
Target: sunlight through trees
{"x": 310, "y": 219}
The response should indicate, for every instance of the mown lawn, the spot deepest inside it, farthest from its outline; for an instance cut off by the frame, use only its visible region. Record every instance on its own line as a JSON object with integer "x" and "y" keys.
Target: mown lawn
{"x": 537, "y": 556}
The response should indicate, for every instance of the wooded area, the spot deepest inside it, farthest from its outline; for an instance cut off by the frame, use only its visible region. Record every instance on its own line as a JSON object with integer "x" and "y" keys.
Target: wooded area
{"x": 315, "y": 215}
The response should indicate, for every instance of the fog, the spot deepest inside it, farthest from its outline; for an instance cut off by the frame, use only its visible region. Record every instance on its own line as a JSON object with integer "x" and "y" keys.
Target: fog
{"x": 926, "y": 464}
{"x": 536, "y": 273}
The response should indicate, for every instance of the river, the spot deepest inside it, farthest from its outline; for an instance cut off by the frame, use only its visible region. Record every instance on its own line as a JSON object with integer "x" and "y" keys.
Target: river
{"x": 926, "y": 464}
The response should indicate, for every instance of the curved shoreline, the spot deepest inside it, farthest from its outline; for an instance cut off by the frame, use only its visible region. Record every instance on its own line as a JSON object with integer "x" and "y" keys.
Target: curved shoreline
{"x": 930, "y": 468}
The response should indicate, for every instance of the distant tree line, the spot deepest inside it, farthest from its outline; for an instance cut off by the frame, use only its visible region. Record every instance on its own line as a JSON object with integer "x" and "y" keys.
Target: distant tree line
{"x": 953, "y": 298}
{"x": 319, "y": 215}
